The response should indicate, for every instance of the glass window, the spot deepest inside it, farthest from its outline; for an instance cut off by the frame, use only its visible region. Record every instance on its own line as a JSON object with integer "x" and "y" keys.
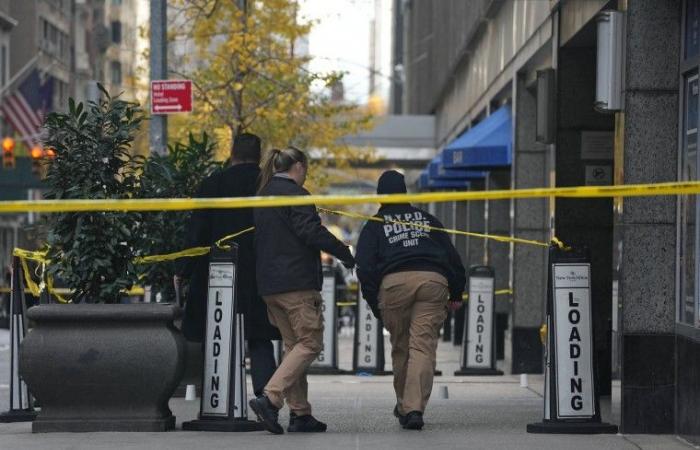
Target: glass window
{"x": 116, "y": 70}
{"x": 116, "y": 32}
{"x": 53, "y": 34}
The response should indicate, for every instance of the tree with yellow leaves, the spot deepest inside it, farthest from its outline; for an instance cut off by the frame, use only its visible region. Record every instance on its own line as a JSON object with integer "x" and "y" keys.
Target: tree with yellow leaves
{"x": 249, "y": 76}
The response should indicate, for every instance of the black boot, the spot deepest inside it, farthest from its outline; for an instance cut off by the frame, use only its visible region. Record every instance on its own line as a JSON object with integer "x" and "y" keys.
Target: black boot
{"x": 305, "y": 424}
{"x": 402, "y": 418}
{"x": 267, "y": 413}
{"x": 414, "y": 421}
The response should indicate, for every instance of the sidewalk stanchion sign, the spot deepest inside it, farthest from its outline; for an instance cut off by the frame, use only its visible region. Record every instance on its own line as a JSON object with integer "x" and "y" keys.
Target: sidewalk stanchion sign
{"x": 571, "y": 401}
{"x": 479, "y": 336}
{"x": 327, "y": 361}
{"x": 368, "y": 352}
{"x": 224, "y": 406}
{"x": 21, "y": 409}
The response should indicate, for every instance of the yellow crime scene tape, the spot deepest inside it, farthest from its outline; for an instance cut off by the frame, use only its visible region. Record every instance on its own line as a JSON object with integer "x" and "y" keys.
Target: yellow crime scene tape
{"x": 346, "y": 303}
{"x": 494, "y": 237}
{"x": 35, "y": 288}
{"x": 178, "y": 204}
{"x": 40, "y": 256}
{"x": 500, "y": 292}
{"x": 136, "y": 290}
{"x": 191, "y": 252}
{"x": 104, "y": 205}
{"x": 465, "y": 297}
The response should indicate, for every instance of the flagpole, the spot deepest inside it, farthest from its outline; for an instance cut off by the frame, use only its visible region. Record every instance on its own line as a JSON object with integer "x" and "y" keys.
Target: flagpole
{"x": 19, "y": 75}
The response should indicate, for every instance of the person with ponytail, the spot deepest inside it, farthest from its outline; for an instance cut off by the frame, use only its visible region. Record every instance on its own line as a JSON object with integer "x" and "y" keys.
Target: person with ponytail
{"x": 288, "y": 245}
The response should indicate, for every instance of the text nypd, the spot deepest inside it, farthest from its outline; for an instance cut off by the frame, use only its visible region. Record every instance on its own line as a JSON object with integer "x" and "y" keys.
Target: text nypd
{"x": 406, "y": 228}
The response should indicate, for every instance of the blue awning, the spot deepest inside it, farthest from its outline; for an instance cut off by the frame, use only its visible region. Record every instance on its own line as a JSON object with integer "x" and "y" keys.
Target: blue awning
{"x": 425, "y": 182}
{"x": 487, "y": 145}
{"x": 437, "y": 171}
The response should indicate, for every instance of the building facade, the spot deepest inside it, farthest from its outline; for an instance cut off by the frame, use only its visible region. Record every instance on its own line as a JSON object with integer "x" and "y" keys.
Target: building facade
{"x": 109, "y": 48}
{"x": 7, "y": 23}
{"x": 537, "y": 62}
{"x": 43, "y": 40}
{"x": 67, "y": 46}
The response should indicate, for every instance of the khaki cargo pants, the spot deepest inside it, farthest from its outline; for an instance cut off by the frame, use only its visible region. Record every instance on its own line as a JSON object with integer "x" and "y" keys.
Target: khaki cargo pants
{"x": 298, "y": 317}
{"x": 414, "y": 306}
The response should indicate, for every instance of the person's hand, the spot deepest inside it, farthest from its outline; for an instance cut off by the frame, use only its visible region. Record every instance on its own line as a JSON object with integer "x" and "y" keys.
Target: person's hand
{"x": 454, "y": 305}
{"x": 376, "y": 312}
{"x": 349, "y": 264}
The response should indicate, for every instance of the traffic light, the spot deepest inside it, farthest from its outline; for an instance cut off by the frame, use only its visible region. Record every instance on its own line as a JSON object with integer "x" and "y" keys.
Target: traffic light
{"x": 37, "y": 155}
{"x": 8, "y": 153}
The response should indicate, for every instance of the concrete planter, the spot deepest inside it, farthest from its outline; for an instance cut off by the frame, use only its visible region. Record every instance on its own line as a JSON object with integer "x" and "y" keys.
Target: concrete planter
{"x": 103, "y": 367}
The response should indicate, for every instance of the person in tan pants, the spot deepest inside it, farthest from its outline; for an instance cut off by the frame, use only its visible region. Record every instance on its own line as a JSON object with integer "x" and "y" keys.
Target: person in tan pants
{"x": 413, "y": 305}
{"x": 288, "y": 245}
{"x": 409, "y": 275}
{"x": 298, "y": 317}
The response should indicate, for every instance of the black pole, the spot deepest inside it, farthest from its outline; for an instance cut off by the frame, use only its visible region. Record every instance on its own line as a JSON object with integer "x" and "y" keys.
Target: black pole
{"x": 23, "y": 412}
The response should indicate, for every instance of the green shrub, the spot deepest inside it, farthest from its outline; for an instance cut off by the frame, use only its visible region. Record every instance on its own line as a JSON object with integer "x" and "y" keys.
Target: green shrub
{"x": 175, "y": 175}
{"x": 92, "y": 252}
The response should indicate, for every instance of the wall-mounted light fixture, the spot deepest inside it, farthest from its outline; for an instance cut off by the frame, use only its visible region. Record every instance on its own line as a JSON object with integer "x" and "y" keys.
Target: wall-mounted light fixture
{"x": 610, "y": 61}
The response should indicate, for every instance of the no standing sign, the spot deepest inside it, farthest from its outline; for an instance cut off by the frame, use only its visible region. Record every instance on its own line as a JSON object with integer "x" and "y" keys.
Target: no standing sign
{"x": 171, "y": 96}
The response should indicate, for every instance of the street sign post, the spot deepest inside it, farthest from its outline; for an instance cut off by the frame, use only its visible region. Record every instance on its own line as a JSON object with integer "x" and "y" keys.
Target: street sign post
{"x": 171, "y": 96}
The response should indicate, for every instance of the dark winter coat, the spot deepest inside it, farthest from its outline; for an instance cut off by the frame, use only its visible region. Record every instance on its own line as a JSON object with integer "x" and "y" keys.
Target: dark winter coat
{"x": 208, "y": 226}
{"x": 288, "y": 242}
{"x": 385, "y": 248}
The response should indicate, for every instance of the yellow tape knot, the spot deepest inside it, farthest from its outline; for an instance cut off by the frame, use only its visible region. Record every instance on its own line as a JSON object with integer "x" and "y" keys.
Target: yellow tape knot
{"x": 560, "y": 244}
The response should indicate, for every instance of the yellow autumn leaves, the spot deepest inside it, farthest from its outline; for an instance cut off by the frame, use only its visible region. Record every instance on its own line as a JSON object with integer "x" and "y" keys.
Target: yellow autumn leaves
{"x": 250, "y": 74}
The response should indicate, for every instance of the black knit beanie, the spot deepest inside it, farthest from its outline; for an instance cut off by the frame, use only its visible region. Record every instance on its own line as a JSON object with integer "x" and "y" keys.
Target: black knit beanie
{"x": 391, "y": 182}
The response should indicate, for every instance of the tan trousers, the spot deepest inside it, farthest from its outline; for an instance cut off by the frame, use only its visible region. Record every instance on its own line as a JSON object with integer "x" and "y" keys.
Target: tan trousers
{"x": 298, "y": 317}
{"x": 414, "y": 306}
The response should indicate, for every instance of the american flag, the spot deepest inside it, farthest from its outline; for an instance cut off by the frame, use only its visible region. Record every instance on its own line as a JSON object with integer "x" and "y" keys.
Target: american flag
{"x": 24, "y": 108}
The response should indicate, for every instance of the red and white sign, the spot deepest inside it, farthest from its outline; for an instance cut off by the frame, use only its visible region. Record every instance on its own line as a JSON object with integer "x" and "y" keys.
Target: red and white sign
{"x": 171, "y": 96}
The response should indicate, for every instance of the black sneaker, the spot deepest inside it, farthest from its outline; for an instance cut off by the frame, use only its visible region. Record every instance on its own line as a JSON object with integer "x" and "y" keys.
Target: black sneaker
{"x": 414, "y": 421}
{"x": 402, "y": 418}
{"x": 267, "y": 413}
{"x": 305, "y": 424}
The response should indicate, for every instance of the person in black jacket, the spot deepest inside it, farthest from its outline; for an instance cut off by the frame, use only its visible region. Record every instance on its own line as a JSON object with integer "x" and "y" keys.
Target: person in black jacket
{"x": 408, "y": 274}
{"x": 288, "y": 243}
{"x": 204, "y": 229}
